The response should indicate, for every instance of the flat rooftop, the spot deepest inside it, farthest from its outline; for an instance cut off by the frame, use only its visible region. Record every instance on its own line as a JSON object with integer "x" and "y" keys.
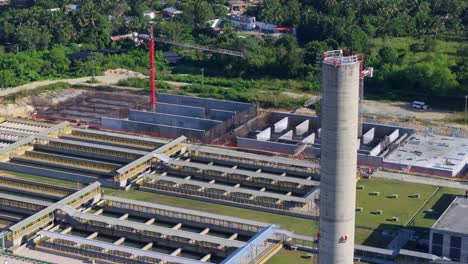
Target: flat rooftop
{"x": 432, "y": 152}
{"x": 451, "y": 221}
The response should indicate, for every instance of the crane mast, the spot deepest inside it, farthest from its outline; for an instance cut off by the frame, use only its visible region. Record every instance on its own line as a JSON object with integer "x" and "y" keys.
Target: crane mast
{"x": 151, "y": 39}
{"x": 152, "y": 72}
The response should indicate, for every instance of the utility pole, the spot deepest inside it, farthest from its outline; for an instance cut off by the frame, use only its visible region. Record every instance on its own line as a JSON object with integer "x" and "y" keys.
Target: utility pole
{"x": 202, "y": 78}
{"x": 3, "y": 235}
{"x": 466, "y": 106}
{"x": 94, "y": 67}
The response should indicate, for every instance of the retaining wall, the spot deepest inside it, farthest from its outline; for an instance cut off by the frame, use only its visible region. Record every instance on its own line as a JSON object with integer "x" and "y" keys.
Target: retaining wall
{"x": 266, "y": 145}
{"x": 181, "y": 110}
{"x": 206, "y": 103}
{"x": 153, "y": 129}
{"x": 172, "y": 120}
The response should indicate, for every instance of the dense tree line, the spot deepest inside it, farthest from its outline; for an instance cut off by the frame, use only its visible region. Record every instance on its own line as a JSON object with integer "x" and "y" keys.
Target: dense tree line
{"x": 26, "y": 66}
{"x": 320, "y": 24}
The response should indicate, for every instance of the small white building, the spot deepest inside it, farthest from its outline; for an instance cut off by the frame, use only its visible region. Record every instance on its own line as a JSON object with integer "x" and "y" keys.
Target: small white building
{"x": 150, "y": 14}
{"x": 171, "y": 12}
{"x": 73, "y": 7}
{"x": 242, "y": 22}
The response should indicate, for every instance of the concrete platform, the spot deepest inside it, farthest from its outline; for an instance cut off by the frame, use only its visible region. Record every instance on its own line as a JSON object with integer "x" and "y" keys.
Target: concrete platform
{"x": 425, "y": 153}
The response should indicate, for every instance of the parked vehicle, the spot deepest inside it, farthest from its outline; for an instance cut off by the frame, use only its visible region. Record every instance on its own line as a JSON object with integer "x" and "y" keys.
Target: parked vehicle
{"x": 420, "y": 105}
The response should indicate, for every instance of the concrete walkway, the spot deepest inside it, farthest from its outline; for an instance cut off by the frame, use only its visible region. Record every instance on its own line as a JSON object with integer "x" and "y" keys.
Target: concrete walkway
{"x": 40, "y": 255}
{"x": 422, "y": 180}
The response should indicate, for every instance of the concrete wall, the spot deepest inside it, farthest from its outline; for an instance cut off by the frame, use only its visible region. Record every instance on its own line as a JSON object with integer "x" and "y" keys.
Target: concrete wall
{"x": 382, "y": 130}
{"x": 71, "y": 177}
{"x": 295, "y": 120}
{"x": 203, "y": 102}
{"x": 180, "y": 110}
{"x": 368, "y": 136}
{"x": 248, "y": 143}
{"x": 151, "y": 129}
{"x": 287, "y": 136}
{"x": 310, "y": 139}
{"x": 302, "y": 128}
{"x": 172, "y": 120}
{"x": 376, "y": 150}
{"x": 221, "y": 115}
{"x": 265, "y": 135}
{"x": 394, "y": 135}
{"x": 281, "y": 125}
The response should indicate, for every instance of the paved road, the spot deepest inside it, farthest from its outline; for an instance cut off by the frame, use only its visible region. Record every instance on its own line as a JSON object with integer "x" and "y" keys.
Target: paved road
{"x": 422, "y": 180}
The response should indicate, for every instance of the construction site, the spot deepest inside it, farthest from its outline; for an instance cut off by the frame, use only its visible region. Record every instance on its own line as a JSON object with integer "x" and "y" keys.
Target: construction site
{"x": 237, "y": 124}
{"x": 85, "y": 224}
{"x": 281, "y": 163}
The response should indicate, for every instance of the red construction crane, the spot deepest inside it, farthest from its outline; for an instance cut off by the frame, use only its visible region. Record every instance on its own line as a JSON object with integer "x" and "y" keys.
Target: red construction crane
{"x": 152, "y": 72}
{"x": 137, "y": 37}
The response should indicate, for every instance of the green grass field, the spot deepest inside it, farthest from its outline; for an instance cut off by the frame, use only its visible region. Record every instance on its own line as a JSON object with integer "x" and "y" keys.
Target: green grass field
{"x": 438, "y": 203}
{"x": 403, "y": 207}
{"x": 448, "y": 47}
{"x": 285, "y": 256}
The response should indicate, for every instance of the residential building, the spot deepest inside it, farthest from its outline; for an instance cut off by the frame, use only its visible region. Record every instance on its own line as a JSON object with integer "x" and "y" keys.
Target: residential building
{"x": 237, "y": 7}
{"x": 171, "y": 12}
{"x": 242, "y": 22}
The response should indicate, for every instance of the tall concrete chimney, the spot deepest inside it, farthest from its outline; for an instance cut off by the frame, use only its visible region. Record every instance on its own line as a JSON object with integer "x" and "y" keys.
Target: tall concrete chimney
{"x": 339, "y": 139}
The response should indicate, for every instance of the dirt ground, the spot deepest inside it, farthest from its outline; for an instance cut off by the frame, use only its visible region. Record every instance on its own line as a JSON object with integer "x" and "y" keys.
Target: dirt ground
{"x": 403, "y": 110}
{"x": 402, "y": 114}
{"x": 26, "y": 106}
{"x": 110, "y": 77}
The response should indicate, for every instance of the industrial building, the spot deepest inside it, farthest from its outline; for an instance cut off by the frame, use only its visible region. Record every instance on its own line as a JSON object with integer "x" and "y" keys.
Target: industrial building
{"x": 85, "y": 224}
{"x": 271, "y": 184}
{"x": 104, "y": 228}
{"x": 76, "y": 157}
{"x": 221, "y": 175}
{"x": 449, "y": 235}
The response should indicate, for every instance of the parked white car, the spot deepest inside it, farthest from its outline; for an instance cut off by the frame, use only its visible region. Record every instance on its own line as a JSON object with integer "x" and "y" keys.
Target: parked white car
{"x": 420, "y": 105}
